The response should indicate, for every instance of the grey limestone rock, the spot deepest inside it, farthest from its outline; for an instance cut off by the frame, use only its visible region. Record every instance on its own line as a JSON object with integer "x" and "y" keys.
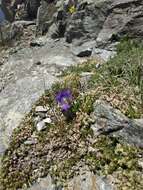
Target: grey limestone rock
{"x": 105, "y": 21}
{"x": 110, "y": 121}
{"x": 45, "y": 16}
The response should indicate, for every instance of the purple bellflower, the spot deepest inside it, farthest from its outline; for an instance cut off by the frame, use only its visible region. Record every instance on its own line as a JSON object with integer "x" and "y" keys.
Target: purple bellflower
{"x": 64, "y": 98}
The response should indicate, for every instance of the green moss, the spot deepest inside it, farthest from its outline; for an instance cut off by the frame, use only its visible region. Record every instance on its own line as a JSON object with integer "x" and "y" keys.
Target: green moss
{"x": 64, "y": 171}
{"x": 84, "y": 103}
{"x": 117, "y": 159}
{"x": 21, "y": 133}
{"x": 42, "y": 135}
{"x": 85, "y": 132}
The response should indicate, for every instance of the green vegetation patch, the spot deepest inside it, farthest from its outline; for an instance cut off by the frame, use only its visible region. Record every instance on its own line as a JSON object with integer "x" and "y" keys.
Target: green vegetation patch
{"x": 87, "y": 66}
{"x": 118, "y": 160}
{"x": 120, "y": 80}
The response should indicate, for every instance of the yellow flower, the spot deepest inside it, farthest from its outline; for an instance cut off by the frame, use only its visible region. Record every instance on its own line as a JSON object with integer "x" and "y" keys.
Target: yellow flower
{"x": 72, "y": 9}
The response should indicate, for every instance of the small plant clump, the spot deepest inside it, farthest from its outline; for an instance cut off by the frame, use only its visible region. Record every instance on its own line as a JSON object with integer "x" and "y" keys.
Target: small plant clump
{"x": 65, "y": 141}
{"x": 119, "y": 160}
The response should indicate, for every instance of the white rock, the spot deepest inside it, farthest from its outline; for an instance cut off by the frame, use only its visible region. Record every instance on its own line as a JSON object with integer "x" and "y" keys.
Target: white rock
{"x": 140, "y": 162}
{"x": 30, "y": 142}
{"x": 40, "y": 126}
{"x": 47, "y": 120}
{"x": 40, "y": 109}
{"x": 86, "y": 74}
{"x": 103, "y": 54}
{"x": 91, "y": 149}
{"x": 139, "y": 121}
{"x": 37, "y": 119}
{"x": 97, "y": 65}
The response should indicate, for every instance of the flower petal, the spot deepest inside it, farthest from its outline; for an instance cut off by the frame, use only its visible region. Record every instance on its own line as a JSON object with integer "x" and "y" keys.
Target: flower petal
{"x": 62, "y": 95}
{"x": 65, "y": 107}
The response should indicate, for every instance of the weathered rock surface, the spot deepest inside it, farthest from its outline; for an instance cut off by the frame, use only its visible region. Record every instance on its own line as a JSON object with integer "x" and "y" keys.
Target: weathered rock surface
{"x": 87, "y": 21}
{"x": 86, "y": 180}
{"x": 124, "y": 18}
{"x": 112, "y": 122}
{"x": 26, "y": 9}
{"x": 83, "y": 50}
{"x": 32, "y": 7}
{"x": 12, "y": 31}
{"x": 45, "y": 16}
{"x": 104, "y": 21}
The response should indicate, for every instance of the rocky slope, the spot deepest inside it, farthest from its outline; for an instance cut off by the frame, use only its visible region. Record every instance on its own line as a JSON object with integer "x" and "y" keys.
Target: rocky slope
{"x": 105, "y": 21}
{"x": 72, "y": 32}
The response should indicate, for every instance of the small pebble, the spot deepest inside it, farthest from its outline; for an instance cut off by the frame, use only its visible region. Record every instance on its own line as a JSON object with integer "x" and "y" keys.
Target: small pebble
{"x": 47, "y": 120}
{"x": 40, "y": 125}
{"x": 30, "y": 142}
{"x": 98, "y": 65}
{"x": 40, "y": 109}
